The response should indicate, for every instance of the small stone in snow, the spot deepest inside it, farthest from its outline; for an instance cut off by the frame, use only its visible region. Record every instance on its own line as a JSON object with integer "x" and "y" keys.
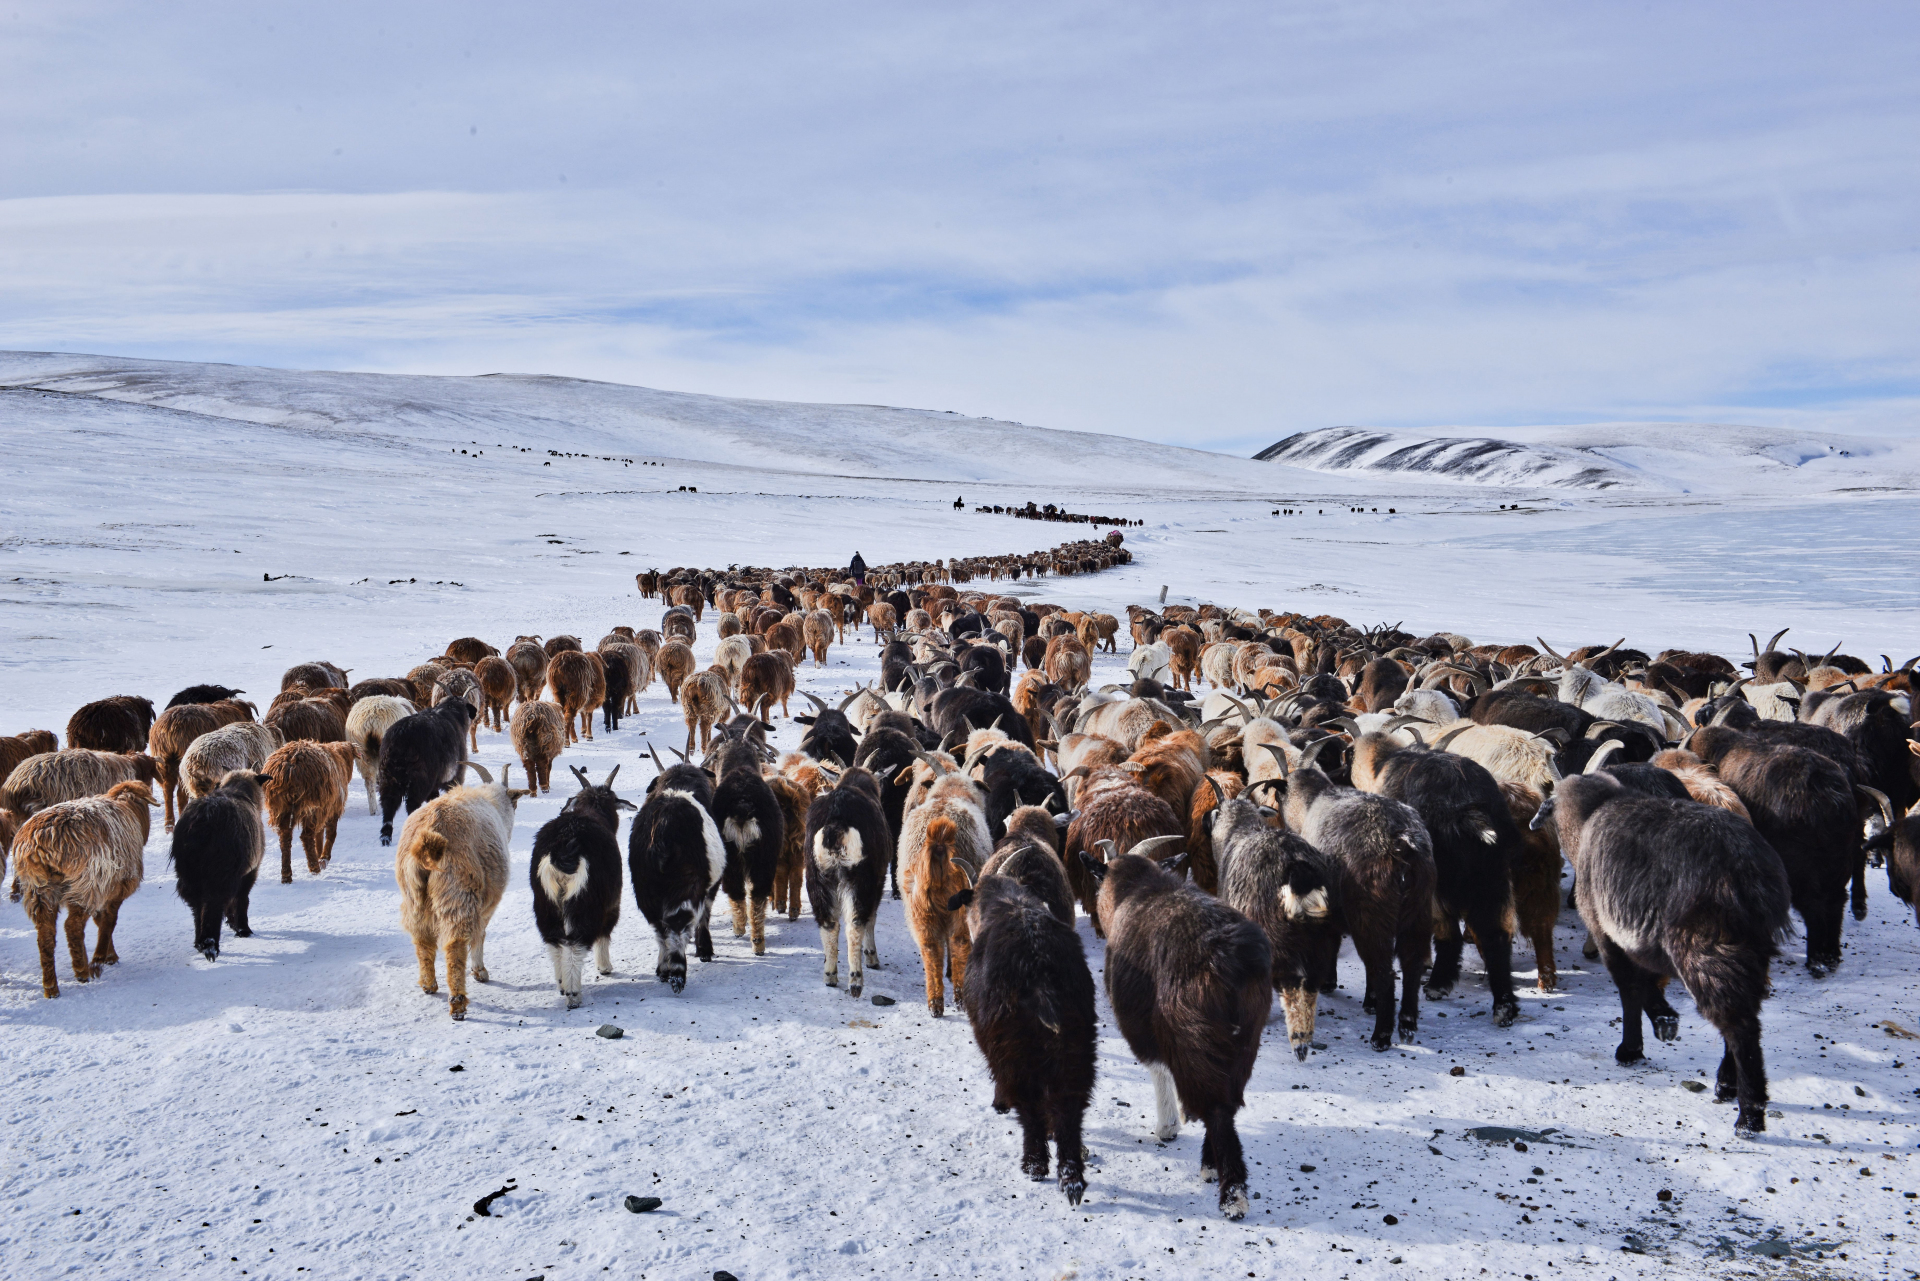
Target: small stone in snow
{"x": 1456, "y": 1071}
{"x": 1694, "y": 1087}
{"x": 1859, "y": 1093}
{"x": 1519, "y": 1147}
{"x": 884, "y": 1000}
{"x": 1308, "y": 1169}
{"x": 641, "y": 1204}
{"x": 456, "y": 1068}
{"x": 1664, "y": 1194}
{"x": 1389, "y": 1219}
{"x": 725, "y": 1276}
{"x": 610, "y": 1031}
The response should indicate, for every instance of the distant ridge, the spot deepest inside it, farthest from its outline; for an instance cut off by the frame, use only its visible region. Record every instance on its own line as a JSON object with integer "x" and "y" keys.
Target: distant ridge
{"x": 1477, "y": 459}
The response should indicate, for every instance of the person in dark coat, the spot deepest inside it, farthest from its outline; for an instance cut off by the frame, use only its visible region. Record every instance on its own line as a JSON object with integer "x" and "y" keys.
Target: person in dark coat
{"x": 859, "y": 570}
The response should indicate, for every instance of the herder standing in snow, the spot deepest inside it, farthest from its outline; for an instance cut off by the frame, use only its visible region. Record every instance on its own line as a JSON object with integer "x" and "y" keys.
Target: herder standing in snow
{"x": 859, "y": 571}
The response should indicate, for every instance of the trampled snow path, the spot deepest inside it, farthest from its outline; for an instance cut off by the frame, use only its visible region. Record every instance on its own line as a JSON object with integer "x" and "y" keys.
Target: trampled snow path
{"x": 294, "y": 1105}
{"x": 174, "y": 1102}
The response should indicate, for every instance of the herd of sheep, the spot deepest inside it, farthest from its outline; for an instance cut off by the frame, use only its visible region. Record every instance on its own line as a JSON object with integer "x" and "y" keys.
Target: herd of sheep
{"x": 1406, "y": 793}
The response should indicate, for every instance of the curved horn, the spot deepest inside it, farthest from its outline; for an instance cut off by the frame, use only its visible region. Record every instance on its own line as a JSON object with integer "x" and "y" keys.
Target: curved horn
{"x": 819, "y": 705}
{"x": 1603, "y": 653}
{"x": 1311, "y": 752}
{"x": 1278, "y": 755}
{"x": 1449, "y": 736}
{"x": 1880, "y": 799}
{"x": 1556, "y": 653}
{"x": 1675, "y": 726}
{"x": 1599, "y": 728}
{"x": 1244, "y": 709}
{"x": 658, "y": 767}
{"x": 1776, "y": 639}
{"x": 1558, "y": 735}
{"x": 1108, "y": 851}
{"x": 1830, "y": 653}
{"x": 1601, "y": 753}
{"x": 1146, "y": 848}
{"x": 581, "y": 774}
{"x": 611, "y": 775}
{"x": 476, "y": 767}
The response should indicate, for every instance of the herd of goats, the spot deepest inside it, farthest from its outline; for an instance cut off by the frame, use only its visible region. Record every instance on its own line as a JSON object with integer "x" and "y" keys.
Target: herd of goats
{"x": 1265, "y": 787}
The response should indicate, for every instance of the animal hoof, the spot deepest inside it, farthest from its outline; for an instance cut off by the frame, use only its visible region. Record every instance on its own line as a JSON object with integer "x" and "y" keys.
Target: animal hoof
{"x": 1504, "y": 1015}
{"x": 1167, "y": 1134}
{"x": 1624, "y": 1056}
{"x": 1209, "y": 1175}
{"x": 1075, "y": 1188}
{"x": 1035, "y": 1168}
{"x": 1407, "y": 1034}
{"x": 458, "y": 1009}
{"x": 853, "y": 989}
{"x": 1725, "y": 1094}
{"x": 1233, "y": 1201}
{"x": 1434, "y": 992}
{"x": 833, "y": 980}
{"x": 209, "y": 950}
{"x": 1860, "y": 912}
{"x": 678, "y": 985}
{"x": 241, "y": 932}
{"x": 1816, "y": 969}
{"x": 1300, "y": 1052}
{"x": 1380, "y": 1042}
{"x": 573, "y": 1000}
{"x": 480, "y": 973}
{"x": 1666, "y": 1026}
{"x": 1751, "y": 1120}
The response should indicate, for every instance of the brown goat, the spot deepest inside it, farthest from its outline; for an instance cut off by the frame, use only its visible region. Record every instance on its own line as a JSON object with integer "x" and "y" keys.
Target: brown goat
{"x": 173, "y": 733}
{"x": 1067, "y": 663}
{"x": 1213, "y": 791}
{"x": 117, "y": 724}
{"x": 819, "y": 630}
{"x": 499, "y": 683}
{"x": 85, "y": 857}
{"x": 539, "y": 732}
{"x": 1536, "y": 880}
{"x": 790, "y": 874}
{"x": 766, "y": 679}
{"x": 1184, "y": 645}
{"x": 15, "y": 748}
{"x": 1701, "y": 780}
{"x": 529, "y": 663}
{"x": 1113, "y": 806}
{"x": 52, "y": 777}
{"x": 579, "y": 687}
{"x": 704, "y": 702}
{"x": 675, "y": 664}
{"x": 940, "y": 933}
{"x": 314, "y": 719}
{"x": 470, "y": 650}
{"x": 307, "y": 786}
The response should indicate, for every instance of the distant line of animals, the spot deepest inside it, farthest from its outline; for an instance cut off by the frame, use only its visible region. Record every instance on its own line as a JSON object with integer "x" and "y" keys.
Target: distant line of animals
{"x": 1405, "y": 792}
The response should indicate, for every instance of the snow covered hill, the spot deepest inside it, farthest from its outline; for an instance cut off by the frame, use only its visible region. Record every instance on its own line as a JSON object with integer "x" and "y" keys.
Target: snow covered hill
{"x": 1627, "y": 458}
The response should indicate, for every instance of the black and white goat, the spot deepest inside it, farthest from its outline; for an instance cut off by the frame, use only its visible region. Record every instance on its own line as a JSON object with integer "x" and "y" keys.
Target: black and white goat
{"x": 1191, "y": 985}
{"x": 752, "y": 828}
{"x": 676, "y": 859}
{"x": 1681, "y": 890}
{"x": 848, "y": 850}
{"x": 576, "y": 877}
{"x": 420, "y": 757}
{"x": 1029, "y": 995}
{"x": 1291, "y": 891}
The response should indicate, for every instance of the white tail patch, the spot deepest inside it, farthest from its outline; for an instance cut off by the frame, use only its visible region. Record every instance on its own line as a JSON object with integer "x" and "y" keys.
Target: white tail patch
{"x": 740, "y": 835}
{"x": 850, "y": 850}
{"x": 558, "y": 885}
{"x": 1298, "y": 906}
{"x": 1488, "y": 836}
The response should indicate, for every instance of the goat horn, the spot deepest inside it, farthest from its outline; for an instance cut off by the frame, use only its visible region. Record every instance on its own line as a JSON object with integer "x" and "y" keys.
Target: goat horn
{"x": 1549, "y": 735}
{"x": 1244, "y": 709}
{"x": 1551, "y": 650}
{"x": 684, "y": 760}
{"x": 656, "y": 759}
{"x": 477, "y": 768}
{"x": 1311, "y": 752}
{"x": 1145, "y": 848}
{"x": 1553, "y": 768}
{"x": 818, "y": 704}
{"x": 581, "y": 775}
{"x": 1107, "y": 849}
{"x": 1881, "y": 799}
{"x": 1756, "y": 644}
{"x": 1603, "y": 653}
{"x": 1830, "y": 653}
{"x": 1278, "y": 755}
{"x": 1598, "y": 728}
{"x": 1601, "y": 753}
{"x": 1776, "y": 639}
{"x": 849, "y": 698}
{"x": 1449, "y": 736}
{"x": 611, "y": 774}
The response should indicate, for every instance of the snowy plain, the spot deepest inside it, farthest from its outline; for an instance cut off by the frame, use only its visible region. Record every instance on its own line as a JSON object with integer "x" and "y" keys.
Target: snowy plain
{"x": 292, "y": 1110}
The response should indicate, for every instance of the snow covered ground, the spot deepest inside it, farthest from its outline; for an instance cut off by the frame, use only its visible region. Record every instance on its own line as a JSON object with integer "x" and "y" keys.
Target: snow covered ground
{"x": 292, "y": 1109}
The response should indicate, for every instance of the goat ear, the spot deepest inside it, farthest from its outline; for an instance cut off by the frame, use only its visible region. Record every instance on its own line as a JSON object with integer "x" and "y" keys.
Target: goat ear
{"x": 263, "y": 779}
{"x": 1176, "y": 863}
{"x": 960, "y": 900}
{"x": 1095, "y": 868}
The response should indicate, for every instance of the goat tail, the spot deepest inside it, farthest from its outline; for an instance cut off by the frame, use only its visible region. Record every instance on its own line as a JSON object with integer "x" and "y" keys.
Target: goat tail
{"x": 942, "y": 833}
{"x": 372, "y": 745}
{"x": 431, "y": 847}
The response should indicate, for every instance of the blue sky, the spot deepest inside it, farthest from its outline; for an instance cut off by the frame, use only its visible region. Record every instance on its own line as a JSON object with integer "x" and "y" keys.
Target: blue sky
{"x": 1212, "y": 224}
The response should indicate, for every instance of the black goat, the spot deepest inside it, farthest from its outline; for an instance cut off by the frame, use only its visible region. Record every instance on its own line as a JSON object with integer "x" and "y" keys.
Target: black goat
{"x": 960, "y": 711}
{"x": 676, "y": 859}
{"x": 890, "y": 754}
{"x": 1014, "y": 778}
{"x": 1029, "y": 995}
{"x": 1382, "y": 859}
{"x": 204, "y": 694}
{"x": 575, "y": 874}
{"x": 420, "y": 757}
{"x": 752, "y": 828}
{"x": 1803, "y": 803}
{"x": 1191, "y": 985}
{"x": 1037, "y": 867}
{"x": 1474, "y": 842}
{"x": 848, "y": 849}
{"x": 988, "y": 666}
{"x": 830, "y": 735}
{"x": 1900, "y": 842}
{"x": 620, "y": 681}
{"x": 1686, "y": 891}
{"x": 1290, "y": 890}
{"x": 217, "y": 846}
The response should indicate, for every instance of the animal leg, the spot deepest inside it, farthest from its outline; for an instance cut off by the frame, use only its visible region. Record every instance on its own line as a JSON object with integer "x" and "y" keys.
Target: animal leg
{"x": 1743, "y": 1046}
{"x": 83, "y": 969}
{"x": 1065, "y": 1118}
{"x": 310, "y": 845}
{"x": 1629, "y": 980}
{"x": 104, "y": 922}
{"x": 1495, "y": 946}
{"x": 478, "y": 949}
{"x": 1379, "y": 1000}
{"x": 555, "y": 955}
{"x": 868, "y": 948}
{"x": 1231, "y": 1162}
{"x": 43, "y": 923}
{"x": 1860, "y": 884}
{"x": 1035, "y": 1161}
{"x": 237, "y": 910}
{"x": 206, "y": 930}
{"x": 576, "y": 957}
{"x": 671, "y": 966}
{"x": 603, "y": 954}
{"x": 757, "y": 922}
{"x": 739, "y": 907}
{"x": 1299, "y": 1002}
{"x": 1540, "y": 935}
{"x": 457, "y": 976}
{"x": 1822, "y": 918}
{"x": 1166, "y": 1103}
{"x": 367, "y": 780}
{"x": 286, "y": 848}
{"x": 326, "y": 845}
{"x": 830, "y": 950}
{"x": 426, "y": 948}
{"x": 1448, "y": 944}
{"x": 933, "y": 958}
{"x": 959, "y": 947}
{"x": 1666, "y": 1022}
